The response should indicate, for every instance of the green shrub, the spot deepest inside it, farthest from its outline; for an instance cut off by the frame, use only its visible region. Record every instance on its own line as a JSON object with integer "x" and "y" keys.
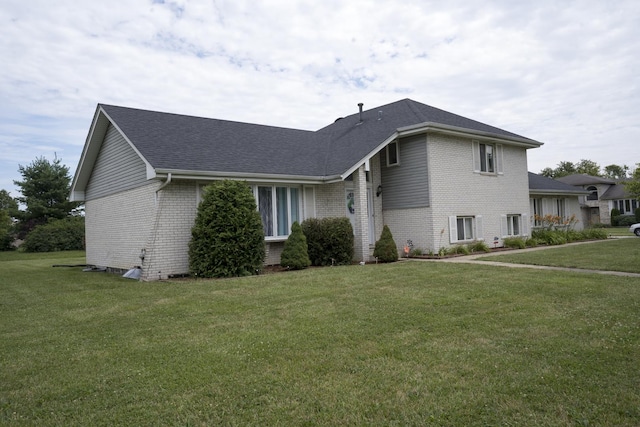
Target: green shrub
{"x": 56, "y": 235}
{"x": 329, "y": 240}
{"x": 514, "y": 242}
{"x": 625, "y": 220}
{"x": 615, "y": 213}
{"x": 593, "y": 234}
{"x": 532, "y": 242}
{"x": 227, "y": 238}
{"x": 479, "y": 246}
{"x": 386, "y": 249}
{"x": 295, "y": 254}
{"x": 460, "y": 250}
{"x": 416, "y": 252}
{"x": 599, "y": 225}
{"x": 637, "y": 214}
{"x": 550, "y": 237}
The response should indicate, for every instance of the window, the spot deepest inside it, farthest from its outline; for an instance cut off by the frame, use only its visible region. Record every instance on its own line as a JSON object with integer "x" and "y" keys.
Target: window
{"x": 279, "y": 208}
{"x": 465, "y": 228}
{"x": 594, "y": 193}
{"x": 487, "y": 158}
{"x": 560, "y": 208}
{"x": 393, "y": 155}
{"x": 513, "y": 225}
{"x": 537, "y": 211}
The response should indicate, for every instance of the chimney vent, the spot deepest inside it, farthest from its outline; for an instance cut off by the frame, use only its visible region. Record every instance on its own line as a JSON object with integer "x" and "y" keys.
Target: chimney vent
{"x": 360, "y": 104}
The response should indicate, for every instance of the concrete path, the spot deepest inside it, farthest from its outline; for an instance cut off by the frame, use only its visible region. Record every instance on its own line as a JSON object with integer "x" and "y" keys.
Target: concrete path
{"x": 473, "y": 259}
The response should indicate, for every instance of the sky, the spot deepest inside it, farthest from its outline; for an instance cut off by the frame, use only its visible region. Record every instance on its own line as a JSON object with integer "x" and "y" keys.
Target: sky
{"x": 565, "y": 73}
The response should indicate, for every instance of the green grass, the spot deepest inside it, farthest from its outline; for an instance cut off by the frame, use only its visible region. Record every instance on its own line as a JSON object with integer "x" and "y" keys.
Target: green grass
{"x": 612, "y": 255}
{"x": 618, "y": 231}
{"x": 411, "y": 343}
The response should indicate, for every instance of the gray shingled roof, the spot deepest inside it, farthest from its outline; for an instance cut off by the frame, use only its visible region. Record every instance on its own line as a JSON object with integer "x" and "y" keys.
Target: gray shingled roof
{"x": 584, "y": 179}
{"x": 185, "y": 143}
{"x": 542, "y": 184}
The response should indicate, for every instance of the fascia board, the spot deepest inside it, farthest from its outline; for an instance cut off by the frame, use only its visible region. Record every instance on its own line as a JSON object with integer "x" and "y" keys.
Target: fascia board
{"x": 458, "y": 131}
{"x": 244, "y": 176}
{"x": 557, "y": 193}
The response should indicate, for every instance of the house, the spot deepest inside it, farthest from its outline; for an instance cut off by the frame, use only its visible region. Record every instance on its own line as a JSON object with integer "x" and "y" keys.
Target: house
{"x": 551, "y": 197}
{"x": 604, "y": 194}
{"x": 435, "y": 178}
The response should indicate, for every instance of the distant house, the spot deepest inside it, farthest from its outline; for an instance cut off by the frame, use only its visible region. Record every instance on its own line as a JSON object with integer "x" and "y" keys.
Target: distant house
{"x": 552, "y": 197}
{"x": 435, "y": 178}
{"x": 604, "y": 195}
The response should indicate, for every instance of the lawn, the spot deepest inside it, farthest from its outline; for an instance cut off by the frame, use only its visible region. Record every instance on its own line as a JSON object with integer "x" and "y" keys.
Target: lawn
{"x": 409, "y": 343}
{"x": 612, "y": 255}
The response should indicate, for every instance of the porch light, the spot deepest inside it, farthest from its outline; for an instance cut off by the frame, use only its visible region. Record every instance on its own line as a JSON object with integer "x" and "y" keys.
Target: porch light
{"x": 379, "y": 190}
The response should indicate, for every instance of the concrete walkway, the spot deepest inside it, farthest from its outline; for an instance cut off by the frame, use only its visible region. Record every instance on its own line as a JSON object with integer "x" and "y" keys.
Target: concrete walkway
{"x": 473, "y": 259}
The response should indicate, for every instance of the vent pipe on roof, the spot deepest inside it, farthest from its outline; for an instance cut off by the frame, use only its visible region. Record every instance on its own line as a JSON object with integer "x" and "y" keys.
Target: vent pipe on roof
{"x": 360, "y": 104}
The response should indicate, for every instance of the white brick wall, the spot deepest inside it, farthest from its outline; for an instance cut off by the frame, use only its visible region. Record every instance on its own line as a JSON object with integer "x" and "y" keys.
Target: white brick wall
{"x": 456, "y": 190}
{"x": 119, "y": 226}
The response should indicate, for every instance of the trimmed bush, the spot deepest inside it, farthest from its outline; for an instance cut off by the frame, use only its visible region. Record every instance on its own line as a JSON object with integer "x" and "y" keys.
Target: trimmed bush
{"x": 615, "y": 213}
{"x": 227, "y": 238}
{"x": 386, "y": 249}
{"x": 624, "y": 220}
{"x": 329, "y": 240}
{"x": 637, "y": 214}
{"x": 56, "y": 235}
{"x": 295, "y": 254}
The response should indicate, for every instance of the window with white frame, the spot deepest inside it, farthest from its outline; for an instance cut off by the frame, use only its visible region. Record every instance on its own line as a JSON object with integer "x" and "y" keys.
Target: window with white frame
{"x": 513, "y": 225}
{"x": 393, "y": 154}
{"x": 465, "y": 228}
{"x": 537, "y": 211}
{"x": 487, "y": 158}
{"x": 279, "y": 208}
{"x": 560, "y": 208}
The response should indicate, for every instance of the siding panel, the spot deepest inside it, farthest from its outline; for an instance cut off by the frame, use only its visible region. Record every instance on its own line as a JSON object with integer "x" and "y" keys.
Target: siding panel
{"x": 407, "y": 184}
{"x": 117, "y": 168}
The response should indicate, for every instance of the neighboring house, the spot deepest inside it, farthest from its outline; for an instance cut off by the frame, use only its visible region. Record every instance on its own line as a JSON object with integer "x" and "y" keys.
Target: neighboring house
{"x": 604, "y": 195}
{"x": 551, "y": 197}
{"x": 433, "y": 177}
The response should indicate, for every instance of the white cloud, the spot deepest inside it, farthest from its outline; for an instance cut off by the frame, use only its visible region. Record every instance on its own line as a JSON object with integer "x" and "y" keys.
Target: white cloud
{"x": 563, "y": 73}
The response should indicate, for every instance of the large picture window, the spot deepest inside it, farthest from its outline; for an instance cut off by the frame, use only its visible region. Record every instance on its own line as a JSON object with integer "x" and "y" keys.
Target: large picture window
{"x": 279, "y": 208}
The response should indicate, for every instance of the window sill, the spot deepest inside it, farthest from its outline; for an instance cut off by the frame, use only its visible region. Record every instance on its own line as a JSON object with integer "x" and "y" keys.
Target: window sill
{"x": 275, "y": 239}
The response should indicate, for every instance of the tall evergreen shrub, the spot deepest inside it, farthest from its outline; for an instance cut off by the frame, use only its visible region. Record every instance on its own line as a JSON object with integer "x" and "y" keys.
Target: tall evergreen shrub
{"x": 329, "y": 240}
{"x": 615, "y": 213}
{"x": 227, "y": 238}
{"x": 386, "y": 249}
{"x": 295, "y": 254}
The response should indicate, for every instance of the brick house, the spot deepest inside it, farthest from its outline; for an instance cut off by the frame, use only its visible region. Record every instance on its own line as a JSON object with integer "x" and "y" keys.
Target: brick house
{"x": 433, "y": 177}
{"x": 603, "y": 195}
{"x": 552, "y": 197}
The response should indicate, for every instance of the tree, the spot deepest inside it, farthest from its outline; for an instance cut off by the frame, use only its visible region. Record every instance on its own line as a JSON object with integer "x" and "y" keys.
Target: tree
{"x": 44, "y": 187}
{"x": 8, "y": 210}
{"x": 584, "y": 166}
{"x": 227, "y": 237}
{"x": 587, "y": 167}
{"x": 386, "y": 249}
{"x": 295, "y": 253}
{"x": 633, "y": 185}
{"x": 616, "y": 171}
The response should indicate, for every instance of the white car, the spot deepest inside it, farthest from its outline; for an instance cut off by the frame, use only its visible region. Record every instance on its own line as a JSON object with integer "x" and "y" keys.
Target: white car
{"x": 635, "y": 229}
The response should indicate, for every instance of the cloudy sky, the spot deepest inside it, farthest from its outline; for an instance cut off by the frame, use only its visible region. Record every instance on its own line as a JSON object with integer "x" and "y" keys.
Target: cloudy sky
{"x": 565, "y": 73}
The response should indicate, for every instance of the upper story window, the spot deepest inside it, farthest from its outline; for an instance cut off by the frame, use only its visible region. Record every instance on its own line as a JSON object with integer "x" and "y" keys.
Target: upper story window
{"x": 594, "y": 193}
{"x": 487, "y": 158}
{"x": 393, "y": 154}
{"x": 279, "y": 208}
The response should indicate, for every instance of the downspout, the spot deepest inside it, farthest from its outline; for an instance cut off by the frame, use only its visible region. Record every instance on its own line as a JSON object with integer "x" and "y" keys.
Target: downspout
{"x": 164, "y": 184}
{"x": 146, "y": 275}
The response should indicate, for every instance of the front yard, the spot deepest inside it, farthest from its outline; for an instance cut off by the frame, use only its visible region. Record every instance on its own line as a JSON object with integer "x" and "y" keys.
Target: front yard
{"x": 412, "y": 343}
